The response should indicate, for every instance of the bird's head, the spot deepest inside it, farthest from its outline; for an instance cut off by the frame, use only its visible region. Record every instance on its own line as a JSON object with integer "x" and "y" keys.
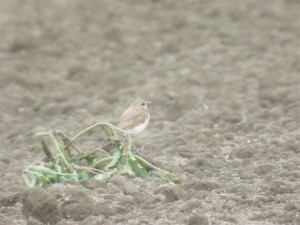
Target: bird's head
{"x": 141, "y": 103}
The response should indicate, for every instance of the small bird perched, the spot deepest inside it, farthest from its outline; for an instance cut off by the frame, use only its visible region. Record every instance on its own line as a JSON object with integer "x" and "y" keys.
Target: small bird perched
{"x": 136, "y": 118}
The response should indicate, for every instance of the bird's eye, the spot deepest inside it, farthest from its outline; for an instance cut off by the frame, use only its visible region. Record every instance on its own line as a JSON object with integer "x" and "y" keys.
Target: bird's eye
{"x": 143, "y": 104}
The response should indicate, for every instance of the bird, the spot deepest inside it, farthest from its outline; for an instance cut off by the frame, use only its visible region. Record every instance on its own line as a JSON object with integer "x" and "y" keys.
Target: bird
{"x": 136, "y": 118}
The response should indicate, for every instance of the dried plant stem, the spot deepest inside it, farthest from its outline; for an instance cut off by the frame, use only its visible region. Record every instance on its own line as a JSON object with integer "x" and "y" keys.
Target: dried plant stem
{"x": 81, "y": 133}
{"x": 65, "y": 165}
{"x": 112, "y": 128}
{"x": 89, "y": 169}
{"x": 102, "y": 161}
{"x": 150, "y": 166}
{"x": 46, "y": 150}
{"x": 61, "y": 153}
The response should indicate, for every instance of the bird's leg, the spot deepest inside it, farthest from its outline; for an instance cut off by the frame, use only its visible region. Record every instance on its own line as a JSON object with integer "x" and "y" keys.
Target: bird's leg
{"x": 129, "y": 142}
{"x": 136, "y": 150}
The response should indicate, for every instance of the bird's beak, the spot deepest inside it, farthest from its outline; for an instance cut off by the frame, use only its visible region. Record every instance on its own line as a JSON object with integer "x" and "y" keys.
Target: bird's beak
{"x": 149, "y": 102}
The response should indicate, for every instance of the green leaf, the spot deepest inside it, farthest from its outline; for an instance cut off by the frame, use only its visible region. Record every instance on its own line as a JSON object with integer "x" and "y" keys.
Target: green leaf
{"x": 116, "y": 158}
{"x": 42, "y": 174}
{"x": 58, "y": 168}
{"x": 29, "y": 178}
{"x": 76, "y": 160}
{"x": 91, "y": 158}
{"x": 42, "y": 180}
{"x": 84, "y": 175}
{"x": 108, "y": 131}
{"x": 99, "y": 162}
{"x": 93, "y": 162}
{"x": 113, "y": 138}
{"x": 126, "y": 169}
{"x": 43, "y": 170}
{"x": 140, "y": 171}
{"x": 42, "y": 134}
{"x": 102, "y": 177}
{"x": 73, "y": 176}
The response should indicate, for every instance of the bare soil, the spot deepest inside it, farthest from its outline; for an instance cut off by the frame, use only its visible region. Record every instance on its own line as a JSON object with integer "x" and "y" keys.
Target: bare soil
{"x": 224, "y": 77}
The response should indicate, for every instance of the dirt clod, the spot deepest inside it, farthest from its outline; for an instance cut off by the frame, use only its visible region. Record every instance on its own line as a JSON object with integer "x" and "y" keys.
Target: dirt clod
{"x": 198, "y": 219}
{"x": 39, "y": 204}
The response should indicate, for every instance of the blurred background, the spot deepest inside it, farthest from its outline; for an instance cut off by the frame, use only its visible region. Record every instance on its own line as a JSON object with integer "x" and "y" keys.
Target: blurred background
{"x": 223, "y": 76}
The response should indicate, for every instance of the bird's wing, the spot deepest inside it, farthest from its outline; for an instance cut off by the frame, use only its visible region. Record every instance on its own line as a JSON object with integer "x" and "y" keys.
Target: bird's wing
{"x": 132, "y": 118}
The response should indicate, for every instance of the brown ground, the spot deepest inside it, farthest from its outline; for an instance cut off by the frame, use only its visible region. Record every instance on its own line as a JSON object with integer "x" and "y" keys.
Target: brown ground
{"x": 224, "y": 77}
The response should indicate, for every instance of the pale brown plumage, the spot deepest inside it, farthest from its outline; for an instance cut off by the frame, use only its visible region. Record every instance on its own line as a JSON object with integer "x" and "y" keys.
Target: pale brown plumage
{"x": 135, "y": 119}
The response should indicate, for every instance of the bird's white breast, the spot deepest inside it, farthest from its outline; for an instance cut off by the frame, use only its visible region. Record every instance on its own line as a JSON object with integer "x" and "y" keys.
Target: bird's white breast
{"x": 139, "y": 129}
